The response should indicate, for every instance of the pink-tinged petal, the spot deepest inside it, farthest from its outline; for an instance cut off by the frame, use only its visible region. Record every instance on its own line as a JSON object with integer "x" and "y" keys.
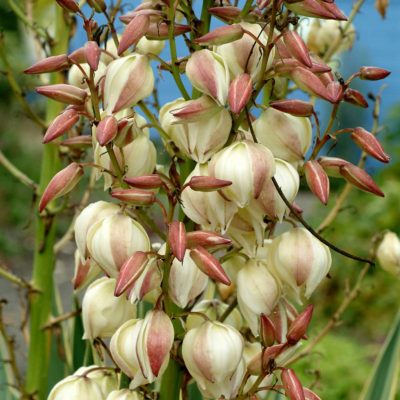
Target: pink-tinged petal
{"x": 332, "y": 165}
{"x": 62, "y": 124}
{"x": 317, "y": 180}
{"x": 78, "y": 56}
{"x": 206, "y": 239}
{"x": 134, "y": 31}
{"x": 62, "y": 183}
{"x": 310, "y": 395}
{"x": 296, "y": 46}
{"x": 298, "y": 108}
{"x": 240, "y": 91}
{"x": 370, "y": 144}
{"x": 49, "y": 64}
{"x": 92, "y": 54}
{"x": 208, "y": 264}
{"x": 177, "y": 239}
{"x": 353, "y": 96}
{"x": 221, "y": 35}
{"x": 193, "y": 110}
{"x": 271, "y": 353}
{"x": 227, "y": 13}
{"x": 130, "y": 272}
{"x": 64, "y": 93}
{"x": 78, "y": 141}
{"x": 207, "y": 183}
{"x": 267, "y": 331}
{"x": 107, "y": 130}
{"x": 335, "y": 91}
{"x": 293, "y": 387}
{"x": 138, "y": 197}
{"x": 152, "y": 181}
{"x": 299, "y": 326}
{"x": 81, "y": 273}
{"x": 373, "y": 73}
{"x": 359, "y": 178}
{"x": 68, "y": 5}
{"x": 160, "y": 338}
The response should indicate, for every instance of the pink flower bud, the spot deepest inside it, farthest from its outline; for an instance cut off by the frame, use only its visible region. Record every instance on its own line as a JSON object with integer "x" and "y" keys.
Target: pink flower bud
{"x": 194, "y": 110}
{"x": 130, "y": 271}
{"x": 221, "y": 35}
{"x": 208, "y": 73}
{"x": 296, "y": 46}
{"x": 315, "y": 8}
{"x": 267, "y": 331}
{"x": 310, "y": 395}
{"x": 335, "y": 91}
{"x": 68, "y": 5}
{"x": 177, "y": 239}
{"x": 78, "y": 56}
{"x": 317, "y": 180}
{"x": 159, "y": 30}
{"x": 77, "y": 142}
{"x": 134, "y": 31}
{"x": 155, "y": 340}
{"x": 152, "y": 181}
{"x": 271, "y": 353}
{"x": 206, "y": 239}
{"x": 61, "y": 183}
{"x": 297, "y": 108}
{"x": 63, "y": 123}
{"x": 137, "y": 197}
{"x": 107, "y": 130}
{"x": 299, "y": 326}
{"x": 85, "y": 271}
{"x": 332, "y": 165}
{"x": 63, "y": 93}
{"x": 353, "y": 96}
{"x": 370, "y": 144}
{"x": 208, "y": 264}
{"x": 207, "y": 183}
{"x": 49, "y": 64}
{"x": 287, "y": 65}
{"x": 310, "y": 83}
{"x": 359, "y": 178}
{"x": 92, "y": 54}
{"x": 227, "y": 13}
{"x": 373, "y": 73}
{"x": 293, "y": 388}
{"x": 97, "y": 5}
{"x": 240, "y": 91}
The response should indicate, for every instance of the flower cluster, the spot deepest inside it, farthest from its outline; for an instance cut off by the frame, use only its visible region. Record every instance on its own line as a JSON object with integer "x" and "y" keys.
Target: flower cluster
{"x": 219, "y": 286}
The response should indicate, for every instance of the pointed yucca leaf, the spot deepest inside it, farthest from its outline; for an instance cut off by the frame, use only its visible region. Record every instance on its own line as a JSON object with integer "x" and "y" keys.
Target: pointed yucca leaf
{"x": 382, "y": 383}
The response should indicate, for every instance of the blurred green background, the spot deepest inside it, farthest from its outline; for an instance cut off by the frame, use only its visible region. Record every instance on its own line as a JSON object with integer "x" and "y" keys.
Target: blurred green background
{"x": 340, "y": 365}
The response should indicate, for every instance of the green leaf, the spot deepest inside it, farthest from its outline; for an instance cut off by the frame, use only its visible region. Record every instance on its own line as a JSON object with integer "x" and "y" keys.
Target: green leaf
{"x": 382, "y": 383}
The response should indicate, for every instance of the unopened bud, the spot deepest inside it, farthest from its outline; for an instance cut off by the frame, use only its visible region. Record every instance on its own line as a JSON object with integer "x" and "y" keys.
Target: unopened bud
{"x": 370, "y": 144}
{"x": 62, "y": 183}
{"x": 78, "y": 56}
{"x": 98, "y": 5}
{"x": 207, "y": 183}
{"x": 296, "y": 46}
{"x": 69, "y": 5}
{"x": 160, "y": 30}
{"x": 227, "y": 13}
{"x": 92, "y": 54}
{"x": 221, "y": 35}
{"x": 293, "y": 387}
{"x": 77, "y": 141}
{"x": 62, "y": 124}
{"x": 240, "y": 91}
{"x": 381, "y": 6}
{"x": 152, "y": 181}
{"x": 317, "y": 180}
{"x": 271, "y": 353}
{"x": 208, "y": 264}
{"x": 194, "y": 110}
{"x": 267, "y": 331}
{"x": 373, "y": 73}
{"x": 137, "y": 197}
{"x": 49, "y": 64}
{"x": 107, "y": 130}
{"x": 353, "y": 96}
{"x": 332, "y": 165}
{"x": 63, "y": 93}
{"x": 177, "y": 239}
{"x": 130, "y": 271}
{"x": 299, "y": 326}
{"x": 335, "y": 92}
{"x": 297, "y": 108}
{"x": 206, "y": 239}
{"x": 134, "y": 31}
{"x": 359, "y": 178}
